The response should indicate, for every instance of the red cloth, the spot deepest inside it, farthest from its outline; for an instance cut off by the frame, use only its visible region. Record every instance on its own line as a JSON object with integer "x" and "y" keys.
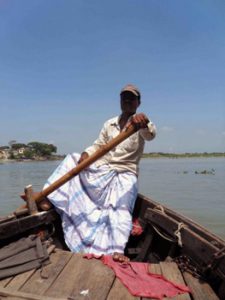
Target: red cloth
{"x": 136, "y": 228}
{"x": 137, "y": 279}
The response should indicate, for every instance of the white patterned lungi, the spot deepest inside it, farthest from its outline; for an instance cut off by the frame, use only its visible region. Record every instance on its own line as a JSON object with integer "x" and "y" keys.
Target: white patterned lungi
{"x": 95, "y": 206}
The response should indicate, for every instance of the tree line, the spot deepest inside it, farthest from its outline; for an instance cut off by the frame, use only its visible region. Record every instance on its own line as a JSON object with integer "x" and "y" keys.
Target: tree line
{"x": 183, "y": 155}
{"x": 32, "y": 150}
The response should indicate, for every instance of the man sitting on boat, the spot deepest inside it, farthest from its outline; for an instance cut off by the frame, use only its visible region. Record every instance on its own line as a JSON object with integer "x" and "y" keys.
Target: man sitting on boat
{"x": 96, "y": 206}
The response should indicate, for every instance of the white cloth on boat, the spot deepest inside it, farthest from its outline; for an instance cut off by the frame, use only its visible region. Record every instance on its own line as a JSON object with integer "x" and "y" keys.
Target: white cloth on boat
{"x": 95, "y": 206}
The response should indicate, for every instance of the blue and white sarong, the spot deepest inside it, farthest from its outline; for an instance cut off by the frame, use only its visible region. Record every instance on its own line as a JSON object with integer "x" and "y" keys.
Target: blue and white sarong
{"x": 95, "y": 207}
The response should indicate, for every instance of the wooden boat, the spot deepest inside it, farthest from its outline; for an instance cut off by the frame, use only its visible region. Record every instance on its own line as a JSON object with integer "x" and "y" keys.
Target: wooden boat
{"x": 174, "y": 245}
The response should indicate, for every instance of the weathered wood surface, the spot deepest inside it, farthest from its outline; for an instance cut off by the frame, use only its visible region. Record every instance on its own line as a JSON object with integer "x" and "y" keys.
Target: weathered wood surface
{"x": 143, "y": 203}
{"x": 70, "y": 276}
{"x": 18, "y": 281}
{"x": 171, "y": 272}
{"x": 32, "y": 206}
{"x": 120, "y": 292}
{"x": 155, "y": 269}
{"x": 198, "y": 248}
{"x": 80, "y": 276}
{"x": 146, "y": 245}
{"x": 200, "y": 290}
{"x": 17, "y": 226}
{"x": 42, "y": 279}
{"x": 4, "y": 282}
{"x": 12, "y": 295}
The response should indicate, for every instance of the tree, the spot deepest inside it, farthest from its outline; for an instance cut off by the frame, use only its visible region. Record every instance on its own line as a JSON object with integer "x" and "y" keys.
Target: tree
{"x": 42, "y": 149}
{"x": 28, "y": 153}
{"x": 17, "y": 146}
{"x": 11, "y": 143}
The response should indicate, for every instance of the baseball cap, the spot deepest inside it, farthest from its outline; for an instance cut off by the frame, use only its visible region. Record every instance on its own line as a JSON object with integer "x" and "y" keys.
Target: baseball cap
{"x": 133, "y": 89}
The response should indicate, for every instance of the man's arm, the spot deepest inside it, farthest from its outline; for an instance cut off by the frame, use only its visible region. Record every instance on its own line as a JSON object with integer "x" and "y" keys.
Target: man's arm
{"x": 149, "y": 132}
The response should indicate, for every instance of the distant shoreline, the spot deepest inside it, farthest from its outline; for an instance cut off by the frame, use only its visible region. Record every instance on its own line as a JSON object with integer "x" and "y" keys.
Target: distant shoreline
{"x": 51, "y": 158}
{"x": 183, "y": 155}
{"x": 145, "y": 155}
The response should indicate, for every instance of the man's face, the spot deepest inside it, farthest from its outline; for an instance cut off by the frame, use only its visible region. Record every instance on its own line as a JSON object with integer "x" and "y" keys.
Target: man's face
{"x": 129, "y": 102}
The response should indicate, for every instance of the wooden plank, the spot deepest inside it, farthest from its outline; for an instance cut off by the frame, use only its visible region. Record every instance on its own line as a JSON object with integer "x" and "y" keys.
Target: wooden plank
{"x": 16, "y": 295}
{"x": 16, "y": 282}
{"x": 171, "y": 272}
{"x": 120, "y": 292}
{"x": 80, "y": 275}
{"x": 154, "y": 269}
{"x": 4, "y": 282}
{"x": 31, "y": 204}
{"x": 200, "y": 290}
{"x": 20, "y": 280}
{"x": 146, "y": 244}
{"x": 38, "y": 284}
{"x": 7, "y": 218}
{"x": 14, "y": 227}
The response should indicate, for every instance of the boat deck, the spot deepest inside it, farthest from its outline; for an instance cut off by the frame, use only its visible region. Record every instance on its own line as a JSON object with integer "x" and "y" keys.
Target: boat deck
{"x": 71, "y": 277}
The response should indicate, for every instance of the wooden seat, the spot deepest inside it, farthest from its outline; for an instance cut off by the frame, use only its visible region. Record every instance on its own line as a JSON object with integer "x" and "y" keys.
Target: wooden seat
{"x": 69, "y": 276}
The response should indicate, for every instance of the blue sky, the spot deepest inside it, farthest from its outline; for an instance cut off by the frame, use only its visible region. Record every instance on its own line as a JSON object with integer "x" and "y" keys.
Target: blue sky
{"x": 63, "y": 64}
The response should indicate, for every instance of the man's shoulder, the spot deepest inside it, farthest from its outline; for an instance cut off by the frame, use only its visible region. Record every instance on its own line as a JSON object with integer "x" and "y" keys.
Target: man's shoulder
{"x": 112, "y": 120}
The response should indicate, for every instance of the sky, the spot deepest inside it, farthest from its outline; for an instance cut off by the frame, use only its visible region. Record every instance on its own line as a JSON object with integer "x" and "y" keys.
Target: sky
{"x": 63, "y": 64}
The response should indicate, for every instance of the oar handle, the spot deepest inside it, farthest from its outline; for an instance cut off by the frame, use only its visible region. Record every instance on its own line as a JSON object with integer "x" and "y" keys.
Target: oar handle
{"x": 85, "y": 163}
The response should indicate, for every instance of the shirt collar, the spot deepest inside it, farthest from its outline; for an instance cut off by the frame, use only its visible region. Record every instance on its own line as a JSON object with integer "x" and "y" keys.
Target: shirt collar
{"x": 116, "y": 121}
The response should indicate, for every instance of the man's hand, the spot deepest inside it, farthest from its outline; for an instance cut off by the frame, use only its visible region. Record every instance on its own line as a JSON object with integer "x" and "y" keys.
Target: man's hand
{"x": 138, "y": 120}
{"x": 83, "y": 156}
{"x": 44, "y": 204}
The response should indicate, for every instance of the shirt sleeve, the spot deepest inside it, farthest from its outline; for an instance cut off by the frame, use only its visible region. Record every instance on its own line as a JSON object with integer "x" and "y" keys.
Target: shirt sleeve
{"x": 101, "y": 140}
{"x": 148, "y": 133}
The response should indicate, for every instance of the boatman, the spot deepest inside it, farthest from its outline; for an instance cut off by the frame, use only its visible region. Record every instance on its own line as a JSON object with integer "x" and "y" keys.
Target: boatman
{"x": 96, "y": 206}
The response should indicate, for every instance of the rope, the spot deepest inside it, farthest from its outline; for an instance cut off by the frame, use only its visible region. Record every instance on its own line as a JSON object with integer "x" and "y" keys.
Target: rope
{"x": 162, "y": 235}
{"x": 160, "y": 208}
{"x": 177, "y": 233}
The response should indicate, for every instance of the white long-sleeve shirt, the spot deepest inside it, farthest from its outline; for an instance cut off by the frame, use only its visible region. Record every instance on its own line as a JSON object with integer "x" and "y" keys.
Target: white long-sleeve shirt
{"x": 126, "y": 155}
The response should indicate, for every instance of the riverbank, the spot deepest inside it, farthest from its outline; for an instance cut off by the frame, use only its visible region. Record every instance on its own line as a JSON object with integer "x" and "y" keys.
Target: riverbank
{"x": 145, "y": 155}
{"x": 183, "y": 155}
{"x": 49, "y": 158}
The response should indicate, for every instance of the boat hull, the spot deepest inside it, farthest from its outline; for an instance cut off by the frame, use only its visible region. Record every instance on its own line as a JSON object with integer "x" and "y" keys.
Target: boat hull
{"x": 167, "y": 237}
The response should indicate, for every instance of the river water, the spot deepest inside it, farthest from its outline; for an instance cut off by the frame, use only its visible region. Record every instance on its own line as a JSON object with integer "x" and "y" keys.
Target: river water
{"x": 172, "y": 182}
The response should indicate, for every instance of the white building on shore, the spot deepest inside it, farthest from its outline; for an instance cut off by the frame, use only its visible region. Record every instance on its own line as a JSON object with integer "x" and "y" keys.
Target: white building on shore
{"x": 4, "y": 152}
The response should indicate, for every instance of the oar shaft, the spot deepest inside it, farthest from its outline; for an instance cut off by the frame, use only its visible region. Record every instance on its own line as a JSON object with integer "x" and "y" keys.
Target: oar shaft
{"x": 85, "y": 163}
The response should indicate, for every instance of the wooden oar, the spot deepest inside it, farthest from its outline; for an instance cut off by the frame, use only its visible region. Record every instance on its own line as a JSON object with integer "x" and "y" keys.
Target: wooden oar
{"x": 30, "y": 196}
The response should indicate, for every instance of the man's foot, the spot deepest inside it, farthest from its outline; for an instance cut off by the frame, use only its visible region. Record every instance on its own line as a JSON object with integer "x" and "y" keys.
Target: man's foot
{"x": 120, "y": 258}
